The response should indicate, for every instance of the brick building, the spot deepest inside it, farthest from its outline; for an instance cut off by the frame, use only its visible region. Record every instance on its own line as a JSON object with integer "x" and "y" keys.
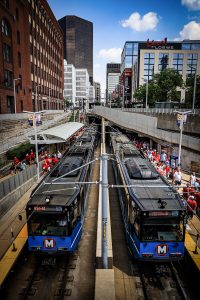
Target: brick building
{"x": 31, "y": 60}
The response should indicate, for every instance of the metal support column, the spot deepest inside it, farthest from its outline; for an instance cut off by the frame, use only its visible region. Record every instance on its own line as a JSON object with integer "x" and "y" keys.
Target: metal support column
{"x": 104, "y": 210}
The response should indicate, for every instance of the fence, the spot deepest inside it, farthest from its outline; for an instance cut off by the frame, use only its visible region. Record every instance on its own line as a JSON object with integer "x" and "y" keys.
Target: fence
{"x": 17, "y": 180}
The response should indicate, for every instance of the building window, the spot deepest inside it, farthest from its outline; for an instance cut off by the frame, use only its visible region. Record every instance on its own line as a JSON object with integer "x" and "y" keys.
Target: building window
{"x": 9, "y": 104}
{"x": 163, "y": 61}
{"x": 6, "y": 3}
{"x": 20, "y": 82}
{"x": 19, "y": 59}
{"x": 5, "y": 27}
{"x": 18, "y": 37}
{"x": 8, "y": 77}
{"x": 7, "y": 53}
{"x": 17, "y": 13}
{"x": 149, "y": 59}
{"x": 191, "y": 64}
{"x": 178, "y": 62}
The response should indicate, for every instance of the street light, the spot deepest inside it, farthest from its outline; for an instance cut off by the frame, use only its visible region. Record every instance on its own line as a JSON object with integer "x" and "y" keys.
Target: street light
{"x": 147, "y": 91}
{"x": 15, "y": 93}
{"x": 36, "y": 143}
{"x": 181, "y": 133}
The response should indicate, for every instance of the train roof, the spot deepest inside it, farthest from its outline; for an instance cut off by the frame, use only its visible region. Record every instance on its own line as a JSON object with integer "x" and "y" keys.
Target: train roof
{"x": 149, "y": 189}
{"x": 60, "y": 185}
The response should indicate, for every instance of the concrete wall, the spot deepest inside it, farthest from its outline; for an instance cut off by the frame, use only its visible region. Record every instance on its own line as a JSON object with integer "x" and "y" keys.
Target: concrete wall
{"x": 148, "y": 126}
{"x": 12, "y": 198}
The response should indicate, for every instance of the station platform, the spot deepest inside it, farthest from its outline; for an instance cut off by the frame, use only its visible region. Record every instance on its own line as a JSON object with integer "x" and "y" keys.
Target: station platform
{"x": 11, "y": 255}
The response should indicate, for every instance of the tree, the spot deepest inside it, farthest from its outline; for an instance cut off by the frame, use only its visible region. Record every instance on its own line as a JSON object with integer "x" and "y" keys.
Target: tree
{"x": 168, "y": 80}
{"x": 162, "y": 88}
{"x": 190, "y": 91}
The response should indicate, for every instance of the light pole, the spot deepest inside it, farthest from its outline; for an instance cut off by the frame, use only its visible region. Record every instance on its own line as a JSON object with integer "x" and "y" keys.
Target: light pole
{"x": 36, "y": 142}
{"x": 147, "y": 91}
{"x": 15, "y": 93}
{"x": 181, "y": 132}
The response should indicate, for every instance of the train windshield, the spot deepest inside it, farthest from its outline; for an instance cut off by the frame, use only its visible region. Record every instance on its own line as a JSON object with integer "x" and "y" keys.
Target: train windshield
{"x": 48, "y": 224}
{"x": 162, "y": 230}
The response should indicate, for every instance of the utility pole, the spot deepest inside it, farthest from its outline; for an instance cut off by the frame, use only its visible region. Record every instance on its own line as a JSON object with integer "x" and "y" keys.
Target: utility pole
{"x": 104, "y": 246}
{"x": 181, "y": 132}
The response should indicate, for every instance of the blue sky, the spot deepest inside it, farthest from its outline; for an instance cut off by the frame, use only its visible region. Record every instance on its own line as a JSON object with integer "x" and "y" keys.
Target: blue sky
{"x": 118, "y": 21}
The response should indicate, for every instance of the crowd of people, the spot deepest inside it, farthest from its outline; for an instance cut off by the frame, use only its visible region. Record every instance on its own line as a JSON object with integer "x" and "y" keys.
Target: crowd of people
{"x": 18, "y": 165}
{"x": 49, "y": 160}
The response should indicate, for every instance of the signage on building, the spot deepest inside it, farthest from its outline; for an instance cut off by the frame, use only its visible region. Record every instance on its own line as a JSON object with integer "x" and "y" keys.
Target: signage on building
{"x": 164, "y": 45}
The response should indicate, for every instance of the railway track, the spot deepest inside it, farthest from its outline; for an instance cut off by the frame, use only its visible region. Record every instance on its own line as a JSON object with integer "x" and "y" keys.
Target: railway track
{"x": 161, "y": 281}
{"x": 48, "y": 277}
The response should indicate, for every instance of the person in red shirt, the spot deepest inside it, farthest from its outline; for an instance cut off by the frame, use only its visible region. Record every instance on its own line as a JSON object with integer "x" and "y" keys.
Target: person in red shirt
{"x": 191, "y": 206}
{"x": 32, "y": 156}
{"x": 27, "y": 159}
{"x": 55, "y": 160}
{"x": 167, "y": 170}
{"x": 46, "y": 167}
{"x": 16, "y": 160}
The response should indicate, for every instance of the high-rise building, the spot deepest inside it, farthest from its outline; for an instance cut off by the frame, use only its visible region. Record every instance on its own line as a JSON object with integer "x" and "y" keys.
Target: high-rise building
{"x": 76, "y": 85}
{"x": 78, "y": 42}
{"x": 31, "y": 64}
{"x": 113, "y": 73}
{"x": 142, "y": 59}
{"x": 97, "y": 88}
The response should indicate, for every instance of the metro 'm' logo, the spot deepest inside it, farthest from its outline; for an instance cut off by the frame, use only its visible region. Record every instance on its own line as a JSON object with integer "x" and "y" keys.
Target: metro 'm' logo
{"x": 161, "y": 249}
{"x": 49, "y": 243}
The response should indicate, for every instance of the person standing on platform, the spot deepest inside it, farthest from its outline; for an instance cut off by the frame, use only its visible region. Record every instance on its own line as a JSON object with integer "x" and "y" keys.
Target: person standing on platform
{"x": 177, "y": 177}
{"x": 59, "y": 155}
{"x": 191, "y": 206}
{"x": 192, "y": 179}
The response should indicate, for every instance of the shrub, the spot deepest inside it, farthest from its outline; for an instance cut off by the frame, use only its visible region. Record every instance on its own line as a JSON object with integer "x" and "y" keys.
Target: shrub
{"x": 20, "y": 151}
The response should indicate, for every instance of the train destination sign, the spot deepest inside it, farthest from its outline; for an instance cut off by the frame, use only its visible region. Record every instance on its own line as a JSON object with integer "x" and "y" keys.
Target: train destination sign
{"x": 47, "y": 208}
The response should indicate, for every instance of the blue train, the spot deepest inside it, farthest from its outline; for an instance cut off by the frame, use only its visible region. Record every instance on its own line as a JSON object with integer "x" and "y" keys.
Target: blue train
{"x": 55, "y": 210}
{"x": 154, "y": 214}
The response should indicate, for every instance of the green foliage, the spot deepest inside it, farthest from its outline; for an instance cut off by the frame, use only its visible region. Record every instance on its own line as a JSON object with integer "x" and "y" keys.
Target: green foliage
{"x": 19, "y": 151}
{"x": 162, "y": 88}
{"x": 190, "y": 90}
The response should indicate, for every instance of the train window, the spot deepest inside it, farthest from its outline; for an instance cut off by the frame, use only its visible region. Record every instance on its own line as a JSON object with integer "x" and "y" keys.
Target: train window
{"x": 48, "y": 224}
{"x": 162, "y": 231}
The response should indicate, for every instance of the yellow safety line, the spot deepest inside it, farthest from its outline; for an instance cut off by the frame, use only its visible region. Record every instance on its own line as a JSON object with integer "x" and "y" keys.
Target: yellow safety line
{"x": 8, "y": 260}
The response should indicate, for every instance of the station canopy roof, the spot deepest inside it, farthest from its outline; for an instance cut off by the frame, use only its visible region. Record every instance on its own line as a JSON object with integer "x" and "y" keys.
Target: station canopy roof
{"x": 58, "y": 134}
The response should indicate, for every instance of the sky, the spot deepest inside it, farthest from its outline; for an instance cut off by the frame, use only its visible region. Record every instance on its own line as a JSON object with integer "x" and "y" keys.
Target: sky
{"x": 118, "y": 21}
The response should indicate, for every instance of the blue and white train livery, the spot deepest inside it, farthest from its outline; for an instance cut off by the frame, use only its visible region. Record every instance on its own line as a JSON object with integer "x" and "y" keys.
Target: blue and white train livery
{"x": 153, "y": 212}
{"x": 55, "y": 211}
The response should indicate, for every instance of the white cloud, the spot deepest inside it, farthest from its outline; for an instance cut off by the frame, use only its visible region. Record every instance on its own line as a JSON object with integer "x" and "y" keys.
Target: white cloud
{"x": 139, "y": 23}
{"x": 112, "y": 54}
{"x": 190, "y": 31}
{"x": 192, "y": 4}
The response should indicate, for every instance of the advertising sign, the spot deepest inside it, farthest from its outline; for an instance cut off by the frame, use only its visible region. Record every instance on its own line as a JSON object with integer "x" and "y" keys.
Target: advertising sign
{"x": 31, "y": 120}
{"x": 179, "y": 119}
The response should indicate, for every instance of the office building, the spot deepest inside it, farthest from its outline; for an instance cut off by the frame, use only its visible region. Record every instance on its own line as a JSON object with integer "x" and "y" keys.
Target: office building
{"x": 113, "y": 73}
{"x": 31, "y": 64}
{"x": 76, "y": 85}
{"x": 78, "y": 43}
{"x": 141, "y": 60}
{"x": 97, "y": 89}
